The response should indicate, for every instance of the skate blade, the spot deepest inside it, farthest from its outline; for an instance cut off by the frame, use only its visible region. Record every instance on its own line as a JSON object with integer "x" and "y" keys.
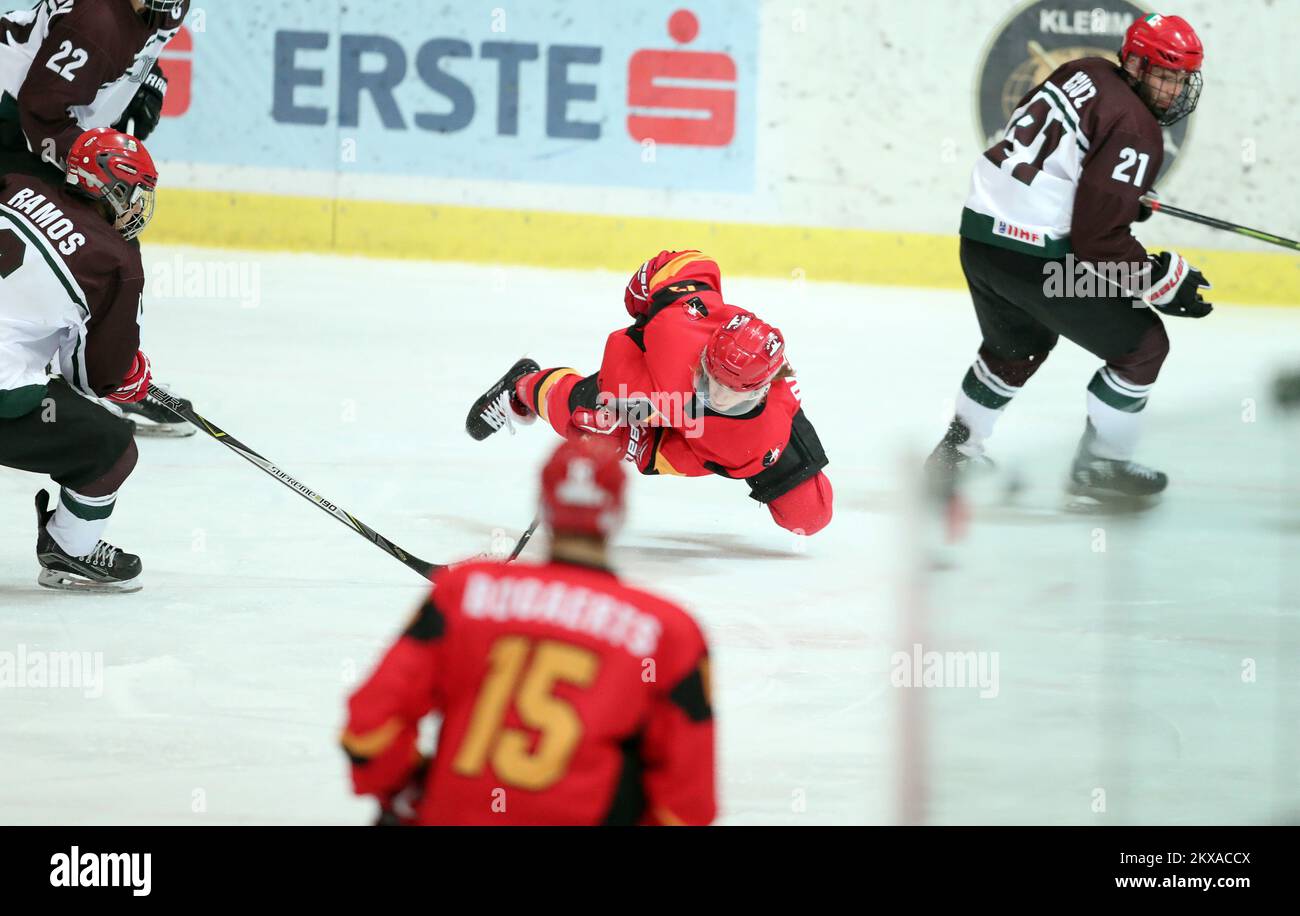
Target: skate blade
{"x": 1108, "y": 503}
{"x": 163, "y": 430}
{"x": 67, "y": 582}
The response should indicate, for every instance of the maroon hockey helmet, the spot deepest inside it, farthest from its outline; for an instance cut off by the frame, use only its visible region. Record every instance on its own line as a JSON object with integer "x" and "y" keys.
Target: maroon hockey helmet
{"x": 1167, "y": 42}
{"x": 583, "y": 484}
{"x": 114, "y": 167}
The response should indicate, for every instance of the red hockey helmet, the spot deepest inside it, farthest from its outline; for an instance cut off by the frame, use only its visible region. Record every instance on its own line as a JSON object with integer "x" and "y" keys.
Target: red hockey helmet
{"x": 1168, "y": 42}
{"x": 738, "y": 364}
{"x": 582, "y": 488}
{"x": 114, "y": 167}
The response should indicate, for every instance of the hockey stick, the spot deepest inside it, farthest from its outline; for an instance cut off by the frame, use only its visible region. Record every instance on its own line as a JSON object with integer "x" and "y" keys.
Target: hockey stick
{"x": 1158, "y": 207}
{"x": 523, "y": 539}
{"x": 175, "y": 406}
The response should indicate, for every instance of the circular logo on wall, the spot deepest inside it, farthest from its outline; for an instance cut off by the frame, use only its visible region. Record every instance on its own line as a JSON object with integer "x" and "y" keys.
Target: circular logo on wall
{"x": 1039, "y": 37}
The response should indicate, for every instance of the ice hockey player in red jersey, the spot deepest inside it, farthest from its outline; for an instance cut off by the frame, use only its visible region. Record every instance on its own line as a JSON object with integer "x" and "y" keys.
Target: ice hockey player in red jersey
{"x": 71, "y": 290}
{"x": 693, "y": 387}
{"x": 1056, "y": 199}
{"x": 566, "y": 697}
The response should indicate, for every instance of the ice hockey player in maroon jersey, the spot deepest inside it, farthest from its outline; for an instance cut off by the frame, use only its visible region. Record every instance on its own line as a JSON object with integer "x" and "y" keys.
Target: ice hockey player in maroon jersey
{"x": 67, "y": 66}
{"x": 566, "y": 697}
{"x": 71, "y": 290}
{"x": 1055, "y": 201}
{"x": 693, "y": 387}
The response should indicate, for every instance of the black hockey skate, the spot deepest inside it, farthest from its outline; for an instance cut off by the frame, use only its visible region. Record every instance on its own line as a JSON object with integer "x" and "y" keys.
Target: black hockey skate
{"x": 1105, "y": 482}
{"x": 151, "y": 418}
{"x": 949, "y": 462}
{"x": 104, "y": 569}
{"x": 498, "y": 407}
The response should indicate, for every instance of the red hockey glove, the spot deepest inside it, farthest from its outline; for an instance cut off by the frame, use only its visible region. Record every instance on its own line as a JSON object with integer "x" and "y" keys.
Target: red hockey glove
{"x": 400, "y": 808}
{"x": 136, "y": 384}
{"x": 636, "y": 298}
{"x": 625, "y": 425}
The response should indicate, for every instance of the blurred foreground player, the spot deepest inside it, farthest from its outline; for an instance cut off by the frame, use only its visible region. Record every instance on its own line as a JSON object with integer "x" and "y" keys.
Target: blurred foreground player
{"x": 71, "y": 292}
{"x": 67, "y": 66}
{"x": 566, "y": 697}
{"x": 693, "y": 387}
{"x": 1057, "y": 197}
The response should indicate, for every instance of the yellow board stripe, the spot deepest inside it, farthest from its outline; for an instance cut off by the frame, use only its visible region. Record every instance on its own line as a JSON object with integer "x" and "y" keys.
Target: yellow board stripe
{"x": 588, "y": 241}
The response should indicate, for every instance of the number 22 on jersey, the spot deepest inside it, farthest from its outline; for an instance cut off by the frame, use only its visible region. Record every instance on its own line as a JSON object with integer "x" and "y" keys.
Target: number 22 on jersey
{"x": 523, "y": 672}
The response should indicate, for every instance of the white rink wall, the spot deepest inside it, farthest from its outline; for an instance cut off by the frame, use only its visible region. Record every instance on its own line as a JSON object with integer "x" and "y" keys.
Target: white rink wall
{"x": 859, "y": 115}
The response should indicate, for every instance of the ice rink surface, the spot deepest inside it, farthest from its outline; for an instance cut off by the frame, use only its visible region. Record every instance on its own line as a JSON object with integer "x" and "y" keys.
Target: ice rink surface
{"x": 1148, "y": 667}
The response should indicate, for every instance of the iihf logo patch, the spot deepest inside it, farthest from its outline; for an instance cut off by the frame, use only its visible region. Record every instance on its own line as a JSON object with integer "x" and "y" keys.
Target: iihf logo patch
{"x": 770, "y": 458}
{"x": 695, "y": 308}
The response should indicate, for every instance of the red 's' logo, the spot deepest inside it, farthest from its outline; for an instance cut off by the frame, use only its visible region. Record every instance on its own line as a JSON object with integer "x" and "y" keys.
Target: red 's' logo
{"x": 644, "y": 92}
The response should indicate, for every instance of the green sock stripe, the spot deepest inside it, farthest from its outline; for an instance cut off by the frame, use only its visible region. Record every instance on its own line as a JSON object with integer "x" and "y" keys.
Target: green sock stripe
{"x": 83, "y": 511}
{"x": 1112, "y": 398}
{"x": 982, "y": 394}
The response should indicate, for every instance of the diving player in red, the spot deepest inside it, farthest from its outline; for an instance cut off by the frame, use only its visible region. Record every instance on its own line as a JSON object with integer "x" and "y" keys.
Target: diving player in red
{"x": 566, "y": 697}
{"x": 693, "y": 387}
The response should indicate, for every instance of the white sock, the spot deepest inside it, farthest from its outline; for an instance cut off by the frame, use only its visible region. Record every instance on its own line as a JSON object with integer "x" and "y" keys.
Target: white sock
{"x": 1115, "y": 408}
{"x": 79, "y": 521}
{"x": 980, "y": 402}
{"x": 979, "y": 420}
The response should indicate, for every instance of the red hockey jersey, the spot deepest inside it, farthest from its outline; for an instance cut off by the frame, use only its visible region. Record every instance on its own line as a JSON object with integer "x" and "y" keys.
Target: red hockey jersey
{"x": 657, "y": 358}
{"x": 566, "y": 697}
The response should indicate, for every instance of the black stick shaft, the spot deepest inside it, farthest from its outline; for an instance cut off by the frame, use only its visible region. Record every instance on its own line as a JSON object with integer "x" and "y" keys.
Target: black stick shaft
{"x": 523, "y": 539}
{"x": 177, "y": 407}
{"x": 1158, "y": 207}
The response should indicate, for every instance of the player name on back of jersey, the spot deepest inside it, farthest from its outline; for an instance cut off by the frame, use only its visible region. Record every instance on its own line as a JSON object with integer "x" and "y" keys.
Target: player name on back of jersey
{"x": 45, "y": 216}
{"x": 507, "y": 596}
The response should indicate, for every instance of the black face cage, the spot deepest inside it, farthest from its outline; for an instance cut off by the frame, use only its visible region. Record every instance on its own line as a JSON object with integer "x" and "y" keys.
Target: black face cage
{"x": 1185, "y": 104}
{"x": 162, "y": 13}
{"x": 121, "y": 197}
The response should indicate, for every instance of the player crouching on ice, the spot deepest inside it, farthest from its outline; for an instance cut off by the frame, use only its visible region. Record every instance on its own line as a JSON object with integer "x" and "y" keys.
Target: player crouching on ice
{"x": 1064, "y": 186}
{"x": 71, "y": 286}
{"x": 694, "y": 387}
